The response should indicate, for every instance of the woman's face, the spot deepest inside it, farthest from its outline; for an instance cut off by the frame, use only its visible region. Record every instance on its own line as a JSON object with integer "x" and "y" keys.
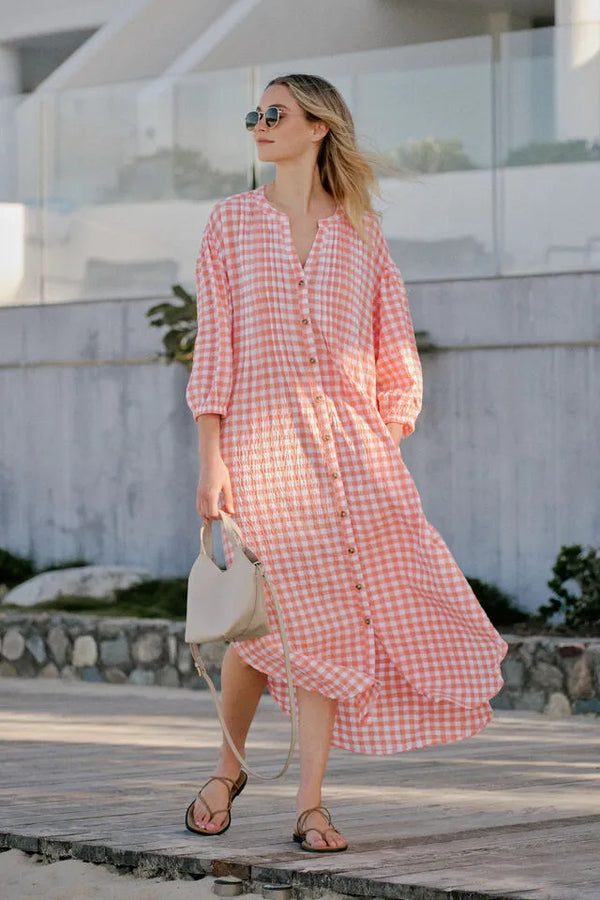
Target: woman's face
{"x": 293, "y": 136}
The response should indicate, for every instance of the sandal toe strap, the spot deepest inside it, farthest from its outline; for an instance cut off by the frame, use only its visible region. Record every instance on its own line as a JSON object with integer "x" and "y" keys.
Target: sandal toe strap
{"x": 208, "y": 809}
{"x": 212, "y": 813}
{"x": 230, "y": 786}
{"x": 304, "y": 815}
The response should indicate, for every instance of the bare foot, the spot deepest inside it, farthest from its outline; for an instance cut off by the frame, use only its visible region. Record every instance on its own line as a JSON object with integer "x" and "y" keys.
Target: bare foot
{"x": 319, "y": 820}
{"x": 216, "y": 796}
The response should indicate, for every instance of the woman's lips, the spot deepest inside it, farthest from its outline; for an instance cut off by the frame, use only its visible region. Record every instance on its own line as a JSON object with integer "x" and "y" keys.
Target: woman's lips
{"x": 263, "y": 141}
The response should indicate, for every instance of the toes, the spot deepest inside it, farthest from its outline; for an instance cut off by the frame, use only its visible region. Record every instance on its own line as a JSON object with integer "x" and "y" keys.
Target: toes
{"x": 335, "y": 839}
{"x": 317, "y": 842}
{"x": 203, "y": 820}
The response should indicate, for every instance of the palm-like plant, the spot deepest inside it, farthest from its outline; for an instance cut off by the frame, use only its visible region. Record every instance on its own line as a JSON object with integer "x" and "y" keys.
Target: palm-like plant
{"x": 181, "y": 321}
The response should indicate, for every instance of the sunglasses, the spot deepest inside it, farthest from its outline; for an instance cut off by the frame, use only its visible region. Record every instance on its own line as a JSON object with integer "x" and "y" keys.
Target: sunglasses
{"x": 271, "y": 116}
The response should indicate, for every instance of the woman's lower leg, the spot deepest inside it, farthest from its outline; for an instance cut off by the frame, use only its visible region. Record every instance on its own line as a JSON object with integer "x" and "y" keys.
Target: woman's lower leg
{"x": 316, "y": 716}
{"x": 241, "y": 689}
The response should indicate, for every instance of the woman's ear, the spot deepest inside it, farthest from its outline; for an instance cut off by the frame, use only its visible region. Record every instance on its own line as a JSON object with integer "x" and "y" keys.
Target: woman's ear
{"x": 320, "y": 129}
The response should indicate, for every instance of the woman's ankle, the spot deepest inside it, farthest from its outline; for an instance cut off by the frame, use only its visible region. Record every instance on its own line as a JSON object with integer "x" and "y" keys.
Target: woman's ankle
{"x": 307, "y": 797}
{"x": 228, "y": 765}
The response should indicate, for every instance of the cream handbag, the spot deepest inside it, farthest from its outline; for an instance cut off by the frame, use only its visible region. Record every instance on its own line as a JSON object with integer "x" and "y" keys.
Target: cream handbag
{"x": 229, "y": 604}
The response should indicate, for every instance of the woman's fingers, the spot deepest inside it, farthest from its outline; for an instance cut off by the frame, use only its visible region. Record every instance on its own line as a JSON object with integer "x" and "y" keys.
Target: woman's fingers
{"x": 209, "y": 489}
{"x": 228, "y": 497}
{"x": 207, "y": 502}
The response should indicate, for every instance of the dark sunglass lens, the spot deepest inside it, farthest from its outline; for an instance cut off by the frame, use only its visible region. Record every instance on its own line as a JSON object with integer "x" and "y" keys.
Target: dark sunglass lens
{"x": 271, "y": 116}
{"x": 251, "y": 120}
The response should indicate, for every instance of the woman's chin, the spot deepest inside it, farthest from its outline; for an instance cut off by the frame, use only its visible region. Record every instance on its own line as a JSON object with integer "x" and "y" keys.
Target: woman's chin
{"x": 265, "y": 154}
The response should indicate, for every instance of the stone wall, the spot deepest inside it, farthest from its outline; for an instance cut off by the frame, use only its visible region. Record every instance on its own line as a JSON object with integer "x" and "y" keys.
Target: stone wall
{"x": 96, "y": 648}
{"x": 555, "y": 675}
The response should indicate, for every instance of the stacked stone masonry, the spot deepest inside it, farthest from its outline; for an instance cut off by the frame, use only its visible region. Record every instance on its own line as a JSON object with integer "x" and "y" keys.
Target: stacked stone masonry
{"x": 96, "y": 648}
{"x": 557, "y": 676}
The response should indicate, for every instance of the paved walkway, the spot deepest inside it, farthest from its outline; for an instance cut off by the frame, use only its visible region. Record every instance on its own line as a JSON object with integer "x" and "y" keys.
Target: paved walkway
{"x": 105, "y": 772}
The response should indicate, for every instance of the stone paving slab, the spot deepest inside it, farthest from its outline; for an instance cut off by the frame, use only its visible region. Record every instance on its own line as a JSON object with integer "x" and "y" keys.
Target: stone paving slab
{"x": 104, "y": 773}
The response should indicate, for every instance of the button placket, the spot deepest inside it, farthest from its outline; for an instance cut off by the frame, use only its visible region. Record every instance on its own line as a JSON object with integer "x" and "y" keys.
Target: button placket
{"x": 329, "y": 449}
{"x": 357, "y": 584}
{"x": 311, "y": 352}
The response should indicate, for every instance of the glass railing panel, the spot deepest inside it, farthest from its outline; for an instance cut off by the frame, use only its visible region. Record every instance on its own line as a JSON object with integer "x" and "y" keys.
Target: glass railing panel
{"x": 429, "y": 109}
{"x": 131, "y": 174}
{"x": 104, "y": 192}
{"x": 20, "y": 205}
{"x": 549, "y": 148}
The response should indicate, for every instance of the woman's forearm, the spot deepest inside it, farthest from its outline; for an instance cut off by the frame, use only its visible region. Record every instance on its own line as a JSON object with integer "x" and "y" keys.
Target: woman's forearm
{"x": 209, "y": 433}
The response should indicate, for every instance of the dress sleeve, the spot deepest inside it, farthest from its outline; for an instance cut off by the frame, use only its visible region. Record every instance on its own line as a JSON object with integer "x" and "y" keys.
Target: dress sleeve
{"x": 399, "y": 378}
{"x": 209, "y": 385}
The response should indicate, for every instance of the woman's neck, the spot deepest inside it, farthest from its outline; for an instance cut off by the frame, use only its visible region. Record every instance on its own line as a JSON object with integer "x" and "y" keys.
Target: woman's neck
{"x": 298, "y": 196}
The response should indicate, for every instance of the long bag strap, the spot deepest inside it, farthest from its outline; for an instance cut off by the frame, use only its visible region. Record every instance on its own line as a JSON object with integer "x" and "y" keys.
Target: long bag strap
{"x": 201, "y": 668}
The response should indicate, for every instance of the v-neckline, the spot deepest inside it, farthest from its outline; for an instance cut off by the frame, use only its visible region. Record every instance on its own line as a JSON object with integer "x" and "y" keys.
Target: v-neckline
{"x": 290, "y": 240}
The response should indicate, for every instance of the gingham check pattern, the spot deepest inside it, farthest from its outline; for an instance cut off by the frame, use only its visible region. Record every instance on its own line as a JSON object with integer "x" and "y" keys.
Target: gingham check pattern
{"x": 306, "y": 365}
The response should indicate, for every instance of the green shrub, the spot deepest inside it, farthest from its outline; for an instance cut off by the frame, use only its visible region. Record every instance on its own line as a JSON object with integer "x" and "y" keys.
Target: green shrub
{"x": 580, "y": 569}
{"x": 14, "y": 569}
{"x": 160, "y": 598}
{"x": 498, "y": 606}
{"x": 66, "y": 564}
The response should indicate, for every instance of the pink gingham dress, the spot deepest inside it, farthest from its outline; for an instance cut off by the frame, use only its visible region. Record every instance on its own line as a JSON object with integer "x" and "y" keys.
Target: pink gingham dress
{"x": 306, "y": 366}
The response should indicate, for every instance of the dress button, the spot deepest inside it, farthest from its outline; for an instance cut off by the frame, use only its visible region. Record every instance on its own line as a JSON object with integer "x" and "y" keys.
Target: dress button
{"x": 305, "y": 321}
{"x": 367, "y": 621}
{"x": 343, "y": 513}
{"x": 358, "y": 586}
{"x": 318, "y": 396}
{"x": 335, "y": 474}
{"x": 312, "y": 359}
{"x": 351, "y": 549}
{"x": 326, "y": 437}
{"x": 301, "y": 283}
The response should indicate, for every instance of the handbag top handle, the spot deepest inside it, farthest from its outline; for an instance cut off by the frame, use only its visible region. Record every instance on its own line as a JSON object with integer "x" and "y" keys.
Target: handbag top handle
{"x": 233, "y": 532}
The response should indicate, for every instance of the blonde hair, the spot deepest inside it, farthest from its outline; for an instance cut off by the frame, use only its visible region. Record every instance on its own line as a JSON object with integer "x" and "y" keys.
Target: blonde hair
{"x": 346, "y": 171}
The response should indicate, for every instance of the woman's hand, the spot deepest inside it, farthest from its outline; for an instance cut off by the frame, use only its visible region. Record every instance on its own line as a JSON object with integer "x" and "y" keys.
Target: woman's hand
{"x": 214, "y": 478}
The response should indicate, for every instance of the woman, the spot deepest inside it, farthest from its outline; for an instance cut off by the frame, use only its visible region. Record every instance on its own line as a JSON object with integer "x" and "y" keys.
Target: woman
{"x": 305, "y": 378}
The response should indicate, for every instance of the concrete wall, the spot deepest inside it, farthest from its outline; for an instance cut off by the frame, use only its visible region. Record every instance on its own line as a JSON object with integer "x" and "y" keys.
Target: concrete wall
{"x": 98, "y": 448}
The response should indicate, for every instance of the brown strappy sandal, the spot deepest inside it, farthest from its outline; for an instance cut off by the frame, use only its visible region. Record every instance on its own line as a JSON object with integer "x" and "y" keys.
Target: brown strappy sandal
{"x": 301, "y": 832}
{"x": 235, "y": 787}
